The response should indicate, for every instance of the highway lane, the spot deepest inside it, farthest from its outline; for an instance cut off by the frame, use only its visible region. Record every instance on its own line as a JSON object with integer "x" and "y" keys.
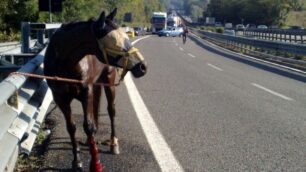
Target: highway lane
{"x": 215, "y": 114}
{"x": 223, "y": 119}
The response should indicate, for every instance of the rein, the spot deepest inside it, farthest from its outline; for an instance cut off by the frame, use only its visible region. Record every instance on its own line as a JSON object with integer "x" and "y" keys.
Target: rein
{"x": 124, "y": 55}
{"x": 61, "y": 79}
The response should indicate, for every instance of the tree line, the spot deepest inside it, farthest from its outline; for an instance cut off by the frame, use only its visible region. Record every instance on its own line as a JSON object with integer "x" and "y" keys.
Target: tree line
{"x": 13, "y": 12}
{"x": 270, "y": 12}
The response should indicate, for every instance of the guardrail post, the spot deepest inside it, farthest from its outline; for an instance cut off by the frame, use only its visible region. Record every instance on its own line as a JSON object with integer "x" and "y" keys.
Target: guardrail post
{"x": 50, "y": 33}
{"x": 41, "y": 36}
{"x": 25, "y": 37}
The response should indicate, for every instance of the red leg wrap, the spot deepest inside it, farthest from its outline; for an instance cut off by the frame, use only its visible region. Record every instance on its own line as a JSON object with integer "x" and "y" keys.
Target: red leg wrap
{"x": 95, "y": 165}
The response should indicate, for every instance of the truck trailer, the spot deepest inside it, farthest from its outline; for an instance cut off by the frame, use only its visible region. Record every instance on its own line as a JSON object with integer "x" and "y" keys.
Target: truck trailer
{"x": 158, "y": 21}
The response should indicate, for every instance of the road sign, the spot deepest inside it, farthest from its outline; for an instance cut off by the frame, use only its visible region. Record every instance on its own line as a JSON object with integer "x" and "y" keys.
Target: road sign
{"x": 55, "y": 5}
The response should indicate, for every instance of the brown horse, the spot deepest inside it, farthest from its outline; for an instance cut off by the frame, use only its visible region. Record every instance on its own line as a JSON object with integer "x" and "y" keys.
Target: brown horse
{"x": 77, "y": 51}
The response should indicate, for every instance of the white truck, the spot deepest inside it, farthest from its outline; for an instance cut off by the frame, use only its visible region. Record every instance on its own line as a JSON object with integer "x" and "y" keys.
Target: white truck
{"x": 173, "y": 21}
{"x": 158, "y": 21}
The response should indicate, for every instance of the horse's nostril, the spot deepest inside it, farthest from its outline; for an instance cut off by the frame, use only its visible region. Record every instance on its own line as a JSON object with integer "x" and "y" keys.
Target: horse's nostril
{"x": 139, "y": 70}
{"x": 143, "y": 67}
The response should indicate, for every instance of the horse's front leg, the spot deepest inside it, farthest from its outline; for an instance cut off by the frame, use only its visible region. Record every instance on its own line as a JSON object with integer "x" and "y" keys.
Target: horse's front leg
{"x": 64, "y": 104}
{"x": 110, "y": 96}
{"x": 90, "y": 129}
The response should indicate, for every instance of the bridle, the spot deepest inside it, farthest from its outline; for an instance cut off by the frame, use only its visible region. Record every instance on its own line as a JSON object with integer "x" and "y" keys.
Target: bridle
{"x": 123, "y": 54}
{"x": 115, "y": 52}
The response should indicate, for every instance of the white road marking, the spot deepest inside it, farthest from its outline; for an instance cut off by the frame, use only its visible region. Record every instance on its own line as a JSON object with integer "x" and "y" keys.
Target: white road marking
{"x": 215, "y": 67}
{"x": 181, "y": 49}
{"x": 159, "y": 146}
{"x": 161, "y": 150}
{"x": 191, "y": 55}
{"x": 134, "y": 42}
{"x": 176, "y": 44}
{"x": 272, "y": 92}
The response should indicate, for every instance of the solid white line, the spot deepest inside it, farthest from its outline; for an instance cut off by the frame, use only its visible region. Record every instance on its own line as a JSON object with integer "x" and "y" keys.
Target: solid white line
{"x": 159, "y": 146}
{"x": 215, "y": 67}
{"x": 181, "y": 49}
{"x": 191, "y": 55}
{"x": 134, "y": 42}
{"x": 161, "y": 150}
{"x": 272, "y": 92}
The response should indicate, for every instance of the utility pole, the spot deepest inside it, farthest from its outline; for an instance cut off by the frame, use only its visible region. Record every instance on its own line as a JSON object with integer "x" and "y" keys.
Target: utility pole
{"x": 50, "y": 12}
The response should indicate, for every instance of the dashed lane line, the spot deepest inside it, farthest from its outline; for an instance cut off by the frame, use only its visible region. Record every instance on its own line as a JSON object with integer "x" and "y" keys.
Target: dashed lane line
{"x": 181, "y": 49}
{"x": 272, "y": 92}
{"x": 191, "y": 55}
{"x": 215, "y": 67}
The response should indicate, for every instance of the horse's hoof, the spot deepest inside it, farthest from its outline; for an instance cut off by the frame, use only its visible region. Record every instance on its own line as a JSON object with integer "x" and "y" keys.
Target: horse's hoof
{"x": 96, "y": 167}
{"x": 114, "y": 149}
{"x": 77, "y": 166}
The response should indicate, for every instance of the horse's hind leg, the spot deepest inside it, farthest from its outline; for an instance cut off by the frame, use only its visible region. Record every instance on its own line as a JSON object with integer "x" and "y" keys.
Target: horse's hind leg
{"x": 96, "y": 104}
{"x": 91, "y": 128}
{"x": 110, "y": 96}
{"x": 64, "y": 104}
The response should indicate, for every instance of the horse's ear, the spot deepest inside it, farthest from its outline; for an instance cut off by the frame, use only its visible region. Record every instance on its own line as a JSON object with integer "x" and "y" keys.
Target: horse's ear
{"x": 112, "y": 15}
{"x": 101, "y": 20}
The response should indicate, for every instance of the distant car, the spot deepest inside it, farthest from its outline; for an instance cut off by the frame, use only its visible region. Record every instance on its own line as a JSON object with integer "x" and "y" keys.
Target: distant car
{"x": 229, "y": 32}
{"x": 250, "y": 25}
{"x": 262, "y": 26}
{"x": 296, "y": 27}
{"x": 274, "y": 27}
{"x": 218, "y": 24}
{"x": 240, "y": 27}
{"x": 228, "y": 25}
{"x": 175, "y": 31}
{"x": 139, "y": 31}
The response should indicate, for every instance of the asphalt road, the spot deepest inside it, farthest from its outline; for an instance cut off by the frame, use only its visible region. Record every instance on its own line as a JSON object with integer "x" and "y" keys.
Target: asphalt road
{"x": 210, "y": 112}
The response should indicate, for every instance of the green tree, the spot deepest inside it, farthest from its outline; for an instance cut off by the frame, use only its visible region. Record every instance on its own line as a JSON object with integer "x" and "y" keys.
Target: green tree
{"x": 18, "y": 11}
{"x": 250, "y": 11}
{"x": 296, "y": 5}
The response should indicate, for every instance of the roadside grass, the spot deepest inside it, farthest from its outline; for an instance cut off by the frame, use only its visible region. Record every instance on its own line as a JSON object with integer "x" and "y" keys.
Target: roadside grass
{"x": 34, "y": 161}
{"x": 8, "y": 37}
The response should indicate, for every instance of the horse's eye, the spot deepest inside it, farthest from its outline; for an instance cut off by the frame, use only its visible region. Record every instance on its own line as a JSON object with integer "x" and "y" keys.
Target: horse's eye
{"x": 125, "y": 50}
{"x": 127, "y": 44}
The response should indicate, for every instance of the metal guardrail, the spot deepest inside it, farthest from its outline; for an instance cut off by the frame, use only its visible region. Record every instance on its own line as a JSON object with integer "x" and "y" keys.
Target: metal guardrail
{"x": 11, "y": 59}
{"x": 21, "y": 117}
{"x": 23, "y": 105}
{"x": 279, "y": 31}
{"x": 296, "y": 49}
{"x": 8, "y": 44}
{"x": 279, "y": 46}
{"x": 287, "y": 35}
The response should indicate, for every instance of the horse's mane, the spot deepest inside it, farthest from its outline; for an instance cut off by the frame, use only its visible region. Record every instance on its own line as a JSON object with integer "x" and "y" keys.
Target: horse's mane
{"x": 74, "y": 24}
{"x": 111, "y": 23}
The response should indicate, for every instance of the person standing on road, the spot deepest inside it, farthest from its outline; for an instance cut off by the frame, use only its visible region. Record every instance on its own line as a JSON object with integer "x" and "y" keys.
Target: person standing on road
{"x": 185, "y": 32}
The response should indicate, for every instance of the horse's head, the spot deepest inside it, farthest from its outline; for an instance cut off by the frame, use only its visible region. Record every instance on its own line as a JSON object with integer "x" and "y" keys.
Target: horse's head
{"x": 116, "y": 46}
